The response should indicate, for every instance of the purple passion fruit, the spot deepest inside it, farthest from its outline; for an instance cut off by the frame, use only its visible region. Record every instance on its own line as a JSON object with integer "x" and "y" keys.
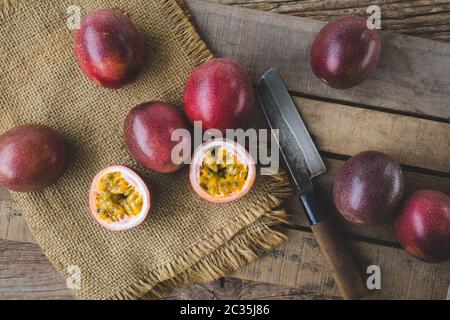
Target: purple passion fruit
{"x": 32, "y": 157}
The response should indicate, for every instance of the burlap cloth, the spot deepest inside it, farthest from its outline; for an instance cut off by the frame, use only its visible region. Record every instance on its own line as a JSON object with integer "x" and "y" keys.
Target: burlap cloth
{"x": 185, "y": 239}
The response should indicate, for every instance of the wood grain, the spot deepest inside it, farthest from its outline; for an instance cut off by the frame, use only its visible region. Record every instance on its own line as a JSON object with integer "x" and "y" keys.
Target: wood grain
{"x": 237, "y": 289}
{"x": 412, "y": 76}
{"x": 412, "y": 79}
{"x": 298, "y": 264}
{"x": 346, "y": 130}
{"x": 25, "y": 273}
{"x": 412, "y": 141}
{"x": 339, "y": 261}
{"x": 382, "y": 233}
{"x": 13, "y": 225}
{"x": 422, "y": 18}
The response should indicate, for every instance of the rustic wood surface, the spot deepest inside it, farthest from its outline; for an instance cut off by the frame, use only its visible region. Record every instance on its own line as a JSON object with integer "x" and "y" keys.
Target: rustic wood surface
{"x": 297, "y": 264}
{"x": 422, "y": 18}
{"x": 412, "y": 76}
{"x": 296, "y": 270}
{"x": 25, "y": 273}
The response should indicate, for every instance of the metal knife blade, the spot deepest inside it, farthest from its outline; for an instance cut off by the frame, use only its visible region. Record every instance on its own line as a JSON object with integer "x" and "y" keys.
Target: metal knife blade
{"x": 297, "y": 148}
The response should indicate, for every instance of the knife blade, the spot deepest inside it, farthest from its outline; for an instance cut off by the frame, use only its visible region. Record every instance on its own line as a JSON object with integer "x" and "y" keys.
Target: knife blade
{"x": 297, "y": 148}
{"x": 304, "y": 162}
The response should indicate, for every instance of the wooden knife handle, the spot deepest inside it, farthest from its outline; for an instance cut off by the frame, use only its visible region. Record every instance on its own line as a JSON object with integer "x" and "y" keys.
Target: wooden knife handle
{"x": 344, "y": 271}
{"x": 333, "y": 248}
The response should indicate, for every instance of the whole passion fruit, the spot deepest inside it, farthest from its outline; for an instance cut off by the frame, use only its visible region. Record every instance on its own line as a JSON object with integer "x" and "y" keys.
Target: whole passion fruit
{"x": 119, "y": 199}
{"x": 109, "y": 48}
{"x": 219, "y": 93}
{"x": 369, "y": 187}
{"x": 32, "y": 157}
{"x": 345, "y": 51}
{"x": 148, "y": 131}
{"x": 423, "y": 226}
{"x": 222, "y": 171}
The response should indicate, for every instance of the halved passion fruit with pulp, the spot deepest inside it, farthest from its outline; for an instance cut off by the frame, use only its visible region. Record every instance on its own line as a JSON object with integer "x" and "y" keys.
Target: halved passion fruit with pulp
{"x": 119, "y": 199}
{"x": 222, "y": 171}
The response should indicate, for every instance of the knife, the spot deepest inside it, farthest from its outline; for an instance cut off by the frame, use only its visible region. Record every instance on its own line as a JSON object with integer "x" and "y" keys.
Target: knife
{"x": 304, "y": 162}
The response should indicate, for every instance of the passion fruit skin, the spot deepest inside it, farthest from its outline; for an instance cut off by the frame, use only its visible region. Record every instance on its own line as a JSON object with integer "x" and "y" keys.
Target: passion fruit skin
{"x": 423, "y": 226}
{"x": 32, "y": 157}
{"x": 197, "y": 160}
{"x": 345, "y": 52}
{"x": 109, "y": 48}
{"x": 148, "y": 132}
{"x": 143, "y": 188}
{"x": 369, "y": 187}
{"x": 220, "y": 94}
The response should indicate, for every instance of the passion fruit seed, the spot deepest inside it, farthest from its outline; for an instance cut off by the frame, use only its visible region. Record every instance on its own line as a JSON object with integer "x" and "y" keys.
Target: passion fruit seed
{"x": 116, "y": 198}
{"x": 221, "y": 174}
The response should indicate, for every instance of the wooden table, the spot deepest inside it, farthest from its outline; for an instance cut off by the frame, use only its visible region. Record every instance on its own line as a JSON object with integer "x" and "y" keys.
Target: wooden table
{"x": 409, "y": 119}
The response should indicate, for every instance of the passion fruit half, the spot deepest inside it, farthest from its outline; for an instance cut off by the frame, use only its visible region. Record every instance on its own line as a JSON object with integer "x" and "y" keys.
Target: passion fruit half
{"x": 222, "y": 171}
{"x": 119, "y": 199}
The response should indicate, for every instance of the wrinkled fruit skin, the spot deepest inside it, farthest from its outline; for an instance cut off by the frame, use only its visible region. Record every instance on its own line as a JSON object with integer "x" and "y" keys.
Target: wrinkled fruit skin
{"x": 148, "y": 135}
{"x": 31, "y": 157}
{"x": 423, "y": 226}
{"x": 369, "y": 187}
{"x": 220, "y": 94}
{"x": 344, "y": 52}
{"x": 109, "y": 48}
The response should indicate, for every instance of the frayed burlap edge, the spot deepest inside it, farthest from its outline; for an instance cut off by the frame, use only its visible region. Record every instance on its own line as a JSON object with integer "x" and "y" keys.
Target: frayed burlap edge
{"x": 227, "y": 250}
{"x": 251, "y": 234}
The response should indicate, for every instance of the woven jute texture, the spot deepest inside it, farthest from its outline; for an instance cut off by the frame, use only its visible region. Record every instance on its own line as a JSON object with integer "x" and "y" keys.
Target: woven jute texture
{"x": 185, "y": 239}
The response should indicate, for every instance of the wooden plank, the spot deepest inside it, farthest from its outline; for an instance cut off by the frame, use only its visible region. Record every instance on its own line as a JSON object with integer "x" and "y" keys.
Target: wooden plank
{"x": 346, "y": 130}
{"x": 237, "y": 289}
{"x": 299, "y": 264}
{"x": 413, "y": 291}
{"x": 423, "y": 18}
{"x": 320, "y": 117}
{"x": 324, "y": 186}
{"x": 412, "y": 75}
{"x": 412, "y": 141}
{"x": 25, "y": 273}
{"x": 12, "y": 223}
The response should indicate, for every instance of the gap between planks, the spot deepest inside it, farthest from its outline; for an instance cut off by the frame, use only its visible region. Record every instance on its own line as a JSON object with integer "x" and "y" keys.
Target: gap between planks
{"x": 333, "y": 128}
{"x": 412, "y": 76}
{"x": 13, "y": 226}
{"x": 297, "y": 264}
{"x": 414, "y": 142}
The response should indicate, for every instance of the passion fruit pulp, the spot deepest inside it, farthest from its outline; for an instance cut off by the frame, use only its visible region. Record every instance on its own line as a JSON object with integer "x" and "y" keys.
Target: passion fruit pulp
{"x": 119, "y": 199}
{"x": 222, "y": 171}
